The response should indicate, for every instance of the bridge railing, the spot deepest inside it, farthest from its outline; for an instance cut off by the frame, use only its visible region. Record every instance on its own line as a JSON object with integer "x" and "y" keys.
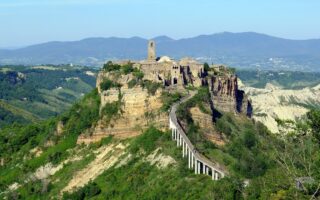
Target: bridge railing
{"x": 195, "y": 160}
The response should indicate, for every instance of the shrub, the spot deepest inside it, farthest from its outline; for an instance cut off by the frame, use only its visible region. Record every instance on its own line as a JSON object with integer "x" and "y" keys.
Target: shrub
{"x": 146, "y": 141}
{"x": 152, "y": 87}
{"x": 203, "y": 96}
{"x": 88, "y": 191}
{"x": 111, "y": 110}
{"x": 223, "y": 126}
{"x": 138, "y": 74}
{"x": 206, "y": 67}
{"x": 109, "y": 66}
{"x": 127, "y": 68}
{"x": 107, "y": 84}
{"x": 314, "y": 122}
{"x": 132, "y": 83}
{"x": 168, "y": 99}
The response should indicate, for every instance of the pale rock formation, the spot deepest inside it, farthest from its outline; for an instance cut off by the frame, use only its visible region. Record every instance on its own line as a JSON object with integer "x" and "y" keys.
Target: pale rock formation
{"x": 139, "y": 110}
{"x": 273, "y": 102}
{"x": 226, "y": 96}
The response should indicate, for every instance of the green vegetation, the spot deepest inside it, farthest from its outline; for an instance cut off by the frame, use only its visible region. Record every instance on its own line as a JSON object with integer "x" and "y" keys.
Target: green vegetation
{"x": 38, "y": 93}
{"x": 17, "y": 140}
{"x": 285, "y": 79}
{"x": 146, "y": 141}
{"x": 7, "y": 117}
{"x": 139, "y": 179}
{"x": 271, "y": 164}
{"x": 138, "y": 74}
{"x": 201, "y": 99}
{"x": 111, "y": 111}
{"x": 314, "y": 123}
{"x": 206, "y": 67}
{"x": 127, "y": 68}
{"x": 107, "y": 84}
{"x": 109, "y": 67}
{"x": 123, "y": 69}
{"x": 252, "y": 152}
{"x": 168, "y": 99}
{"x": 132, "y": 83}
{"x": 250, "y": 145}
{"x": 244, "y": 150}
{"x": 152, "y": 87}
{"x": 88, "y": 191}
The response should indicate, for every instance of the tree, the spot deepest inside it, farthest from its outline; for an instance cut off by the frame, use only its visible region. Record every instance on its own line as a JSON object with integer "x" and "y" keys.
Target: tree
{"x": 314, "y": 123}
{"x": 206, "y": 67}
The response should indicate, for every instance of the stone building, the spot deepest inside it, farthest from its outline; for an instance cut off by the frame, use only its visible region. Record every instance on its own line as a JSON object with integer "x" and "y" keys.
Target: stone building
{"x": 170, "y": 72}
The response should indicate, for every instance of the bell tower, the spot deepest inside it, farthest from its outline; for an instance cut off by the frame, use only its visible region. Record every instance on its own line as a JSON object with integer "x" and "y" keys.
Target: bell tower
{"x": 151, "y": 50}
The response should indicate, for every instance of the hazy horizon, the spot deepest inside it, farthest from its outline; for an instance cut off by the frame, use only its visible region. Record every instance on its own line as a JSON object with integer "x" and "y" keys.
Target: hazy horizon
{"x": 30, "y": 22}
{"x": 17, "y": 47}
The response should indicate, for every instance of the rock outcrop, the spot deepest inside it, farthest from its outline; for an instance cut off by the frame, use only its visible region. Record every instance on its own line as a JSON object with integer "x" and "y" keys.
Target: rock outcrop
{"x": 273, "y": 102}
{"x": 206, "y": 126}
{"x": 139, "y": 110}
{"x": 226, "y": 96}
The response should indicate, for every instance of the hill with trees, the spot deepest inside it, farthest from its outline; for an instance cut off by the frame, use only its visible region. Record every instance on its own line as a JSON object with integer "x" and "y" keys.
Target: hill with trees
{"x": 41, "y": 161}
{"x": 30, "y": 94}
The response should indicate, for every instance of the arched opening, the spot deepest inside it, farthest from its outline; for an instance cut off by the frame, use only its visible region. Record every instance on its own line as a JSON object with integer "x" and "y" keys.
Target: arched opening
{"x": 175, "y": 81}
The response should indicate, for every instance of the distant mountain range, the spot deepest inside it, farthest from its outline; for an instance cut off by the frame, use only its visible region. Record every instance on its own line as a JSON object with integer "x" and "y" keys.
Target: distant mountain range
{"x": 246, "y": 50}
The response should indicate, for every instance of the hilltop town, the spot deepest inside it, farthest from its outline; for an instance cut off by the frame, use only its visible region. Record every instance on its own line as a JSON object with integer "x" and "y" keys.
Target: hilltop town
{"x": 155, "y": 128}
{"x": 139, "y": 92}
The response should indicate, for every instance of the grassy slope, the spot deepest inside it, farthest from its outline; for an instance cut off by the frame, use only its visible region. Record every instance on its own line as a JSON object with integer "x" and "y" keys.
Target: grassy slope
{"x": 137, "y": 179}
{"x": 17, "y": 141}
{"x": 28, "y": 116}
{"x": 248, "y": 148}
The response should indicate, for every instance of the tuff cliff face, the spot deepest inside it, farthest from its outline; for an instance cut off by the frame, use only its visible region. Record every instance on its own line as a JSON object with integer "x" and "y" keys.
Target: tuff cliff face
{"x": 139, "y": 109}
{"x": 226, "y": 95}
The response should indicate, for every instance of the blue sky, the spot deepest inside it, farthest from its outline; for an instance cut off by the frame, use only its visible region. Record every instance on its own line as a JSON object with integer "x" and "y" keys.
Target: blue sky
{"x": 24, "y": 22}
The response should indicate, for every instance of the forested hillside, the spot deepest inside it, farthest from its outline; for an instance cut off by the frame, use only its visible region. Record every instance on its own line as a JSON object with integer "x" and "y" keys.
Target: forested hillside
{"x": 36, "y": 159}
{"x": 30, "y": 94}
{"x": 283, "y": 79}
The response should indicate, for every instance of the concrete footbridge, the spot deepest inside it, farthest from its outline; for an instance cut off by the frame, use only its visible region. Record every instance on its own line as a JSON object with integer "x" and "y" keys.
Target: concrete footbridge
{"x": 196, "y": 161}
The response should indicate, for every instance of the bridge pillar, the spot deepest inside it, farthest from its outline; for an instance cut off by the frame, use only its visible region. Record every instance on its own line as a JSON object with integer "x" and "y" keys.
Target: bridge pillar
{"x": 186, "y": 150}
{"x": 175, "y": 134}
{"x": 195, "y": 166}
{"x": 172, "y": 134}
{"x": 203, "y": 168}
{"x": 199, "y": 167}
{"x": 189, "y": 160}
{"x": 212, "y": 173}
{"x": 178, "y": 138}
{"x": 183, "y": 148}
{"x": 216, "y": 175}
{"x": 192, "y": 160}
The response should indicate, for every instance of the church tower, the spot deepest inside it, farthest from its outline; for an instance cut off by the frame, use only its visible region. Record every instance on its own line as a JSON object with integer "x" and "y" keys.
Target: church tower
{"x": 151, "y": 50}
